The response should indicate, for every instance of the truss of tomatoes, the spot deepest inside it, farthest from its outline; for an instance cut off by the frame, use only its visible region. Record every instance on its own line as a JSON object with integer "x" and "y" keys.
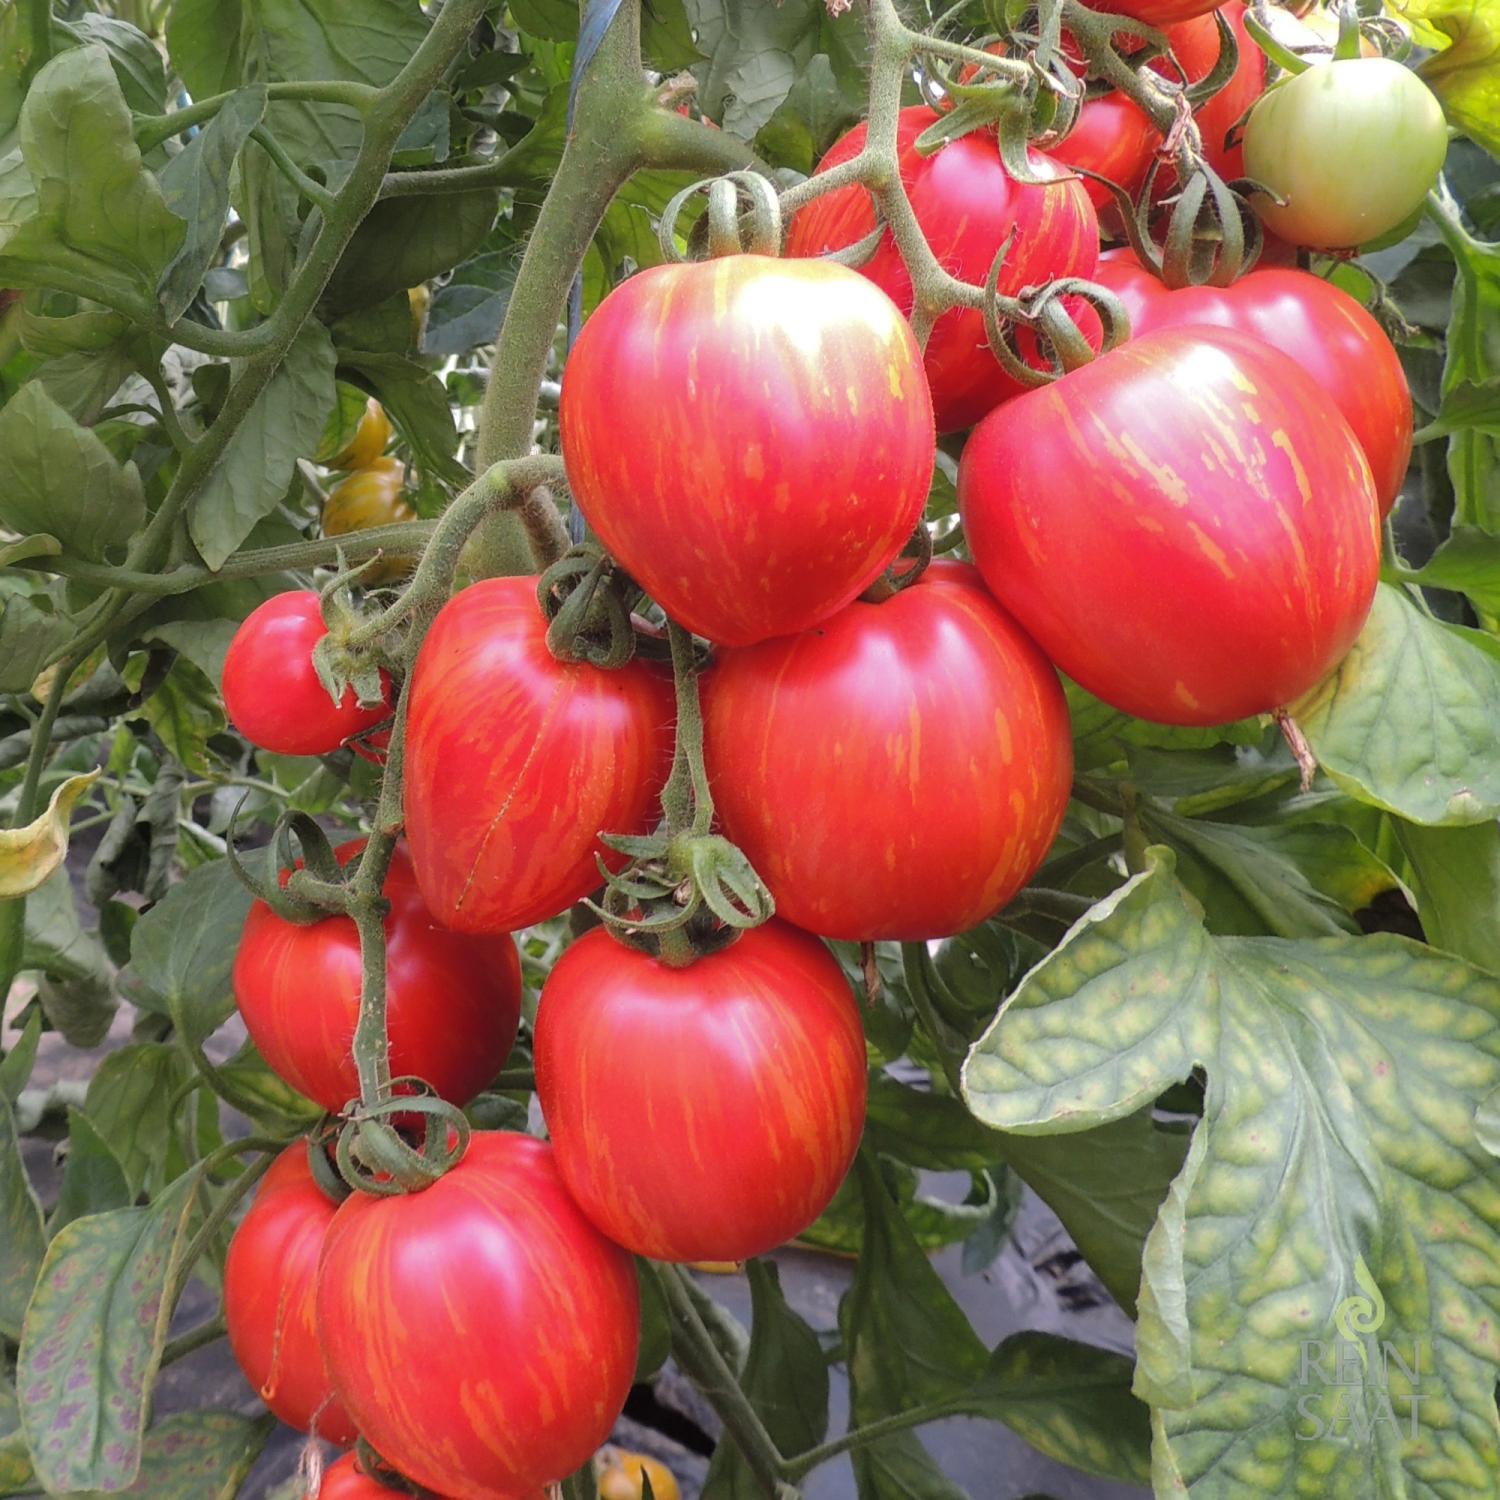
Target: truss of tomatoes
{"x": 1188, "y": 527}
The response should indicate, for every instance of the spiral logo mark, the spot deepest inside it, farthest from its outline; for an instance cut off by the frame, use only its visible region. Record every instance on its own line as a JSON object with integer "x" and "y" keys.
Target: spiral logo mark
{"x": 1357, "y": 1316}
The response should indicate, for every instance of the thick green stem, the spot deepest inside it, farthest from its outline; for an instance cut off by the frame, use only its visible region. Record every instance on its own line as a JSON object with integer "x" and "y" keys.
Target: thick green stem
{"x": 695, "y": 1351}
{"x": 152, "y": 130}
{"x": 405, "y": 539}
{"x": 870, "y": 1432}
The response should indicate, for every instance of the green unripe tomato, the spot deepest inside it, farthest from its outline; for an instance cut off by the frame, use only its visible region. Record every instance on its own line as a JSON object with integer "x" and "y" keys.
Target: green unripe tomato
{"x": 1352, "y": 146}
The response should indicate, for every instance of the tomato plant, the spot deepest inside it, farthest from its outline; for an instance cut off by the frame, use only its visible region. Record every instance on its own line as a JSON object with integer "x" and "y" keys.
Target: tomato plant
{"x": 752, "y": 1063}
{"x": 518, "y": 762}
{"x": 968, "y": 206}
{"x": 417, "y": 1293}
{"x": 270, "y": 1285}
{"x": 271, "y": 689}
{"x": 576, "y": 877}
{"x": 923, "y": 740}
{"x": 1350, "y": 149}
{"x": 1275, "y": 537}
{"x": 808, "y": 478}
{"x": 453, "y": 1000}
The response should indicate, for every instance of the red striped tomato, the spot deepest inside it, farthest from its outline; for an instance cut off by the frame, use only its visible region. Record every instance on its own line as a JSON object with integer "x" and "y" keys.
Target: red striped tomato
{"x": 750, "y": 437}
{"x": 271, "y": 692}
{"x": 749, "y": 1066}
{"x": 1186, "y": 526}
{"x": 453, "y": 1002}
{"x": 922, "y": 743}
{"x": 967, "y": 204}
{"x": 1324, "y": 329}
{"x": 482, "y": 1333}
{"x": 516, "y": 762}
{"x": 269, "y": 1298}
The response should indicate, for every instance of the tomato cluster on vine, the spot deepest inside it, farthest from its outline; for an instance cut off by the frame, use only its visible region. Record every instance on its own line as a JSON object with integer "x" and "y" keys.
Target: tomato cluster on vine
{"x": 1187, "y": 526}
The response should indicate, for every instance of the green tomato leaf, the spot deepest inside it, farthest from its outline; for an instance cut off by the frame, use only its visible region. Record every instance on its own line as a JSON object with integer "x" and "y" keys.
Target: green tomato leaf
{"x": 910, "y": 1346}
{"x": 130, "y": 1103}
{"x": 32, "y": 629}
{"x": 185, "y": 710}
{"x": 195, "y": 1455}
{"x": 136, "y": 59}
{"x": 23, "y": 1243}
{"x": 95, "y": 200}
{"x": 258, "y": 463}
{"x": 81, "y": 1010}
{"x": 1457, "y": 880}
{"x": 217, "y": 45}
{"x": 16, "y": 1476}
{"x": 396, "y": 247}
{"x": 16, "y": 1065}
{"x": 468, "y": 308}
{"x": 1301, "y": 881}
{"x": 182, "y": 950}
{"x": 1410, "y": 720}
{"x": 1343, "y": 1078}
{"x": 1464, "y": 73}
{"x": 93, "y": 1181}
{"x": 55, "y": 940}
{"x": 58, "y": 478}
{"x": 786, "y": 1380}
{"x": 275, "y": 1107}
{"x": 756, "y": 53}
{"x": 93, "y": 1340}
{"x": 195, "y": 184}
{"x": 1469, "y": 563}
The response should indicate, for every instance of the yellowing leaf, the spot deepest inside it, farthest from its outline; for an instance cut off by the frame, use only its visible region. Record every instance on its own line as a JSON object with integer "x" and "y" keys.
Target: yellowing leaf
{"x": 29, "y": 855}
{"x": 1465, "y": 72}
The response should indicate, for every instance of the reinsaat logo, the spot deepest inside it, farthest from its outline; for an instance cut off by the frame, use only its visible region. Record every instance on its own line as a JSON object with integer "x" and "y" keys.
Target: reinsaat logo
{"x": 1354, "y": 1385}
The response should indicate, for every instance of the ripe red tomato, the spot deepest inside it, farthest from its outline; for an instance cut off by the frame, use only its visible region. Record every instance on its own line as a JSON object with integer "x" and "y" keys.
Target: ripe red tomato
{"x": 967, "y": 204}
{"x": 347, "y": 1480}
{"x": 1113, "y": 138}
{"x": 749, "y": 1066}
{"x": 271, "y": 692}
{"x": 750, "y": 437}
{"x": 269, "y": 1287}
{"x": 516, "y": 762}
{"x": 1324, "y": 329}
{"x": 922, "y": 742}
{"x": 453, "y": 1001}
{"x": 481, "y": 1333}
{"x": 1186, "y": 526}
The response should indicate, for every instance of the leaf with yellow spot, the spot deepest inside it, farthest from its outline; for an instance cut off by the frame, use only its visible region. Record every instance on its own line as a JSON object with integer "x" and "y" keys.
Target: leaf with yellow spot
{"x": 1464, "y": 71}
{"x": 1343, "y": 1078}
{"x": 29, "y": 855}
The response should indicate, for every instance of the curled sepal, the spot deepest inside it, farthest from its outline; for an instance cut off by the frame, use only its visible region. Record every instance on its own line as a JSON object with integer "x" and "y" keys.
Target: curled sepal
{"x": 307, "y": 900}
{"x": 583, "y": 596}
{"x": 1226, "y": 65}
{"x": 753, "y": 230}
{"x": 339, "y": 666}
{"x": 323, "y": 1171}
{"x": 1060, "y": 342}
{"x": 1213, "y": 235}
{"x": 375, "y": 1155}
{"x": 682, "y": 895}
{"x": 910, "y": 564}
